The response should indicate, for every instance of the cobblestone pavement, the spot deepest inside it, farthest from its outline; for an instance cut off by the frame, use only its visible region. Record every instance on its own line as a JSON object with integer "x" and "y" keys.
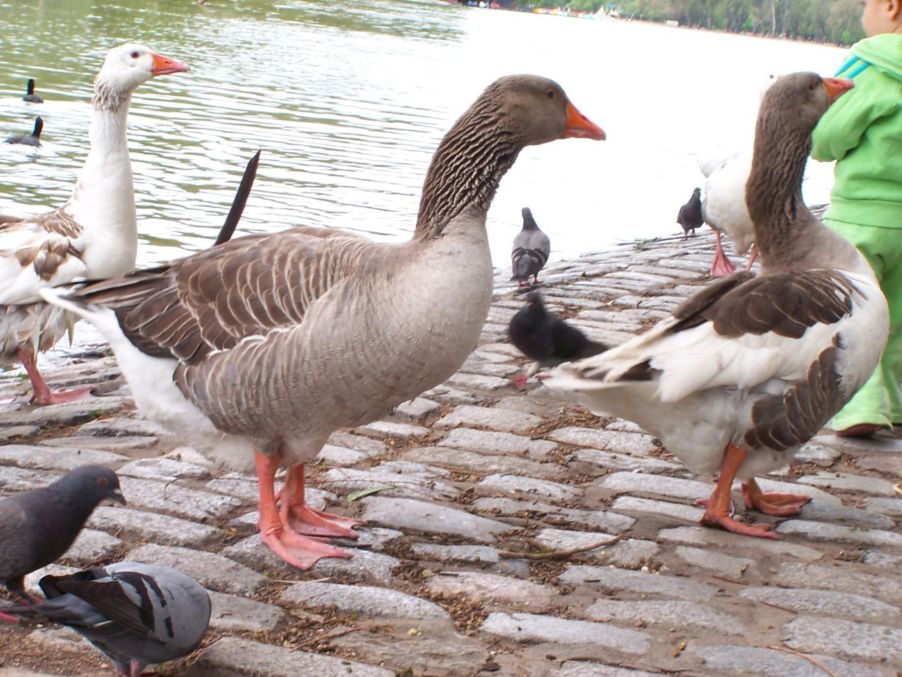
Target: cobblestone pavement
{"x": 470, "y": 473}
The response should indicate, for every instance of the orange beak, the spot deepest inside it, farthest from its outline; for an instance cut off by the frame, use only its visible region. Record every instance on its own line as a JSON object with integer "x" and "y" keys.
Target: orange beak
{"x": 581, "y": 127}
{"x": 163, "y": 65}
{"x": 837, "y": 86}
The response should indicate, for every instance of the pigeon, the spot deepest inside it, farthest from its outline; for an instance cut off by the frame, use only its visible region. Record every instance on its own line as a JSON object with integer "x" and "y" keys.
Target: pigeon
{"x": 135, "y": 613}
{"x": 33, "y": 139}
{"x": 690, "y": 214}
{"x": 30, "y": 96}
{"x": 530, "y": 252}
{"x": 546, "y": 338}
{"x": 37, "y": 527}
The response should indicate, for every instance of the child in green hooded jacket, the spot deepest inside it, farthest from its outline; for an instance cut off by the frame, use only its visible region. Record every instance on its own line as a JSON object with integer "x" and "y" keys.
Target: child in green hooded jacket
{"x": 862, "y": 131}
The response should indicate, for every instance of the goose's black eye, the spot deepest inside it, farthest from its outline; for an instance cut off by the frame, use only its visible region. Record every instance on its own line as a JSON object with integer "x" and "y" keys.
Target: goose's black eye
{"x": 550, "y": 93}
{"x": 134, "y": 55}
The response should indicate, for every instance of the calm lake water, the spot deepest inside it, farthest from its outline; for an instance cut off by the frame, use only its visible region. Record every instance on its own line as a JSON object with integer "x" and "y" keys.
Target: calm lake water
{"x": 348, "y": 101}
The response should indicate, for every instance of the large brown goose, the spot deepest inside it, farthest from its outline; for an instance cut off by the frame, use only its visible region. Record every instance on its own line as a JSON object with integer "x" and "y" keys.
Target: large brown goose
{"x": 750, "y": 368}
{"x": 262, "y": 347}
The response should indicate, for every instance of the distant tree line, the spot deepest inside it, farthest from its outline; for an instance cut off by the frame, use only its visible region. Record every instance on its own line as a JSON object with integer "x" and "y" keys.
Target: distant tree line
{"x": 836, "y": 21}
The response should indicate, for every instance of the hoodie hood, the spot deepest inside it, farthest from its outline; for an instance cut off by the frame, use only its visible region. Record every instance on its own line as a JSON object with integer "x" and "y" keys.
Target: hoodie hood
{"x": 883, "y": 51}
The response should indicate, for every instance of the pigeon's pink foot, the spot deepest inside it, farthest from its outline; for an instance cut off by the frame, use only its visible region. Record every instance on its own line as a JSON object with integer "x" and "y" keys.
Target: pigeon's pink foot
{"x": 519, "y": 381}
{"x": 8, "y": 618}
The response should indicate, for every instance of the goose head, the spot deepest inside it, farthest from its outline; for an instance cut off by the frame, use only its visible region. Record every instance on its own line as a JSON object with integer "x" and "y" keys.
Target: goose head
{"x": 125, "y": 68}
{"x": 538, "y": 110}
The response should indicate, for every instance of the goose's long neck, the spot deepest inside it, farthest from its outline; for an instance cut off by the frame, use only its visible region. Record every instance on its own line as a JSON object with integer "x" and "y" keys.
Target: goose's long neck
{"x": 103, "y": 200}
{"x": 774, "y": 188}
{"x": 466, "y": 169}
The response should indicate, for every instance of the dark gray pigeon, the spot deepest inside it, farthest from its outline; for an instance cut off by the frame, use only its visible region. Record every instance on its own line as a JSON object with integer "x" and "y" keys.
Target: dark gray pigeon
{"x": 546, "y": 338}
{"x": 690, "y": 214}
{"x": 135, "y": 613}
{"x": 37, "y": 527}
{"x": 531, "y": 250}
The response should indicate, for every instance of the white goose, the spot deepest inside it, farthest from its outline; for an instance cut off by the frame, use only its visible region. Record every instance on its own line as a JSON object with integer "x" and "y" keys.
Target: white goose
{"x": 93, "y": 235}
{"x": 750, "y": 368}
{"x": 260, "y": 348}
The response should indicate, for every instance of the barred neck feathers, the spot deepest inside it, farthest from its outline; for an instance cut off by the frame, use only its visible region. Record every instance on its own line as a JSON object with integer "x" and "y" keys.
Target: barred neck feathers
{"x": 109, "y": 98}
{"x": 468, "y": 165}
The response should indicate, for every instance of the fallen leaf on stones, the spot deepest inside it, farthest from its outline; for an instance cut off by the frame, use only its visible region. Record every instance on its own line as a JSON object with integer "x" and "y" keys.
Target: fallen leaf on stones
{"x": 363, "y": 493}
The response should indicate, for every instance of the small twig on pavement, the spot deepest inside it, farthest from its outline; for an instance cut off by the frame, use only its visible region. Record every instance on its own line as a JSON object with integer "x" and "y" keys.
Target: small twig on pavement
{"x": 810, "y": 659}
{"x": 556, "y": 554}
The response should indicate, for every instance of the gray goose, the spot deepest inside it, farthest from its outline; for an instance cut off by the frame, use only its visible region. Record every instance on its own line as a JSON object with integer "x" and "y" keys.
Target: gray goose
{"x": 530, "y": 251}
{"x": 261, "y": 347}
{"x": 749, "y": 369}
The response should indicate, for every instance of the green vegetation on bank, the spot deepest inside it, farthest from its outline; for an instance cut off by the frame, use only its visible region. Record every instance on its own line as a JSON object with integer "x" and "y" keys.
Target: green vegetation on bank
{"x": 836, "y": 21}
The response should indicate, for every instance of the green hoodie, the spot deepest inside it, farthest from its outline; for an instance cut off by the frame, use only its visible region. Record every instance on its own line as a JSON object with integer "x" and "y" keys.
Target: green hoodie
{"x": 863, "y": 132}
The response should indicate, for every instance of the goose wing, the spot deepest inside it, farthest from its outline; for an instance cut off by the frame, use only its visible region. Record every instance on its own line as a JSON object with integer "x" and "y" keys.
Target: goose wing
{"x": 37, "y": 252}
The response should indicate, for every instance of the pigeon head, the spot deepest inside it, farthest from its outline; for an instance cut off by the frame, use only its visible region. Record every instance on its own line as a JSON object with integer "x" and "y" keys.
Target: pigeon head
{"x": 91, "y": 484}
{"x": 534, "y": 301}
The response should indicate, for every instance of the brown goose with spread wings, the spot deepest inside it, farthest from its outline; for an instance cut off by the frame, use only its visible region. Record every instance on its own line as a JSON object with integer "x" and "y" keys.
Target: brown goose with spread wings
{"x": 750, "y": 368}
{"x": 262, "y": 347}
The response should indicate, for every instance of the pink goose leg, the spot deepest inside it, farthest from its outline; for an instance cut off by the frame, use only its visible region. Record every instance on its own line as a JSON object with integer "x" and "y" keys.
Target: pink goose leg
{"x": 42, "y": 394}
{"x": 295, "y": 549}
{"x": 721, "y": 266}
{"x": 304, "y": 519}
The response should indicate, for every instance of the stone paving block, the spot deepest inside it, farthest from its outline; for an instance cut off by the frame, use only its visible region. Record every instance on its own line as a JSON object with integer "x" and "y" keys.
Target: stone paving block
{"x": 450, "y": 395}
{"x": 881, "y": 558}
{"x": 493, "y": 442}
{"x": 610, "y": 460}
{"x": 362, "y": 599}
{"x": 680, "y": 511}
{"x": 55, "y": 458}
{"x": 706, "y": 536}
{"x": 13, "y": 480}
{"x": 417, "y": 408}
{"x": 839, "y": 577}
{"x": 586, "y": 669}
{"x": 473, "y": 462}
{"x": 163, "y": 469}
{"x": 477, "y": 554}
{"x": 403, "y": 431}
{"x": 655, "y": 485}
{"x": 178, "y": 500}
{"x": 837, "y": 512}
{"x": 848, "y": 482}
{"x": 502, "y": 420}
{"x": 123, "y": 426}
{"x": 405, "y": 513}
{"x": 669, "y": 613}
{"x": 516, "y": 485}
{"x": 417, "y": 482}
{"x": 209, "y": 569}
{"x": 620, "y": 580}
{"x": 491, "y": 588}
{"x": 371, "y": 538}
{"x": 564, "y": 539}
{"x": 821, "y": 531}
{"x": 811, "y": 634}
{"x": 154, "y": 527}
{"x": 636, "y": 444}
{"x": 331, "y": 455}
{"x": 90, "y": 547}
{"x": 15, "y": 431}
{"x": 611, "y": 522}
{"x": 366, "y": 445}
{"x": 817, "y": 454}
{"x": 887, "y": 506}
{"x": 477, "y": 381}
{"x": 751, "y": 660}
{"x": 524, "y": 627}
{"x": 232, "y": 613}
{"x": 112, "y": 444}
{"x": 630, "y": 553}
{"x": 823, "y": 602}
{"x": 58, "y": 415}
{"x": 716, "y": 562}
{"x": 486, "y": 368}
{"x": 436, "y": 651}
{"x": 231, "y": 655}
